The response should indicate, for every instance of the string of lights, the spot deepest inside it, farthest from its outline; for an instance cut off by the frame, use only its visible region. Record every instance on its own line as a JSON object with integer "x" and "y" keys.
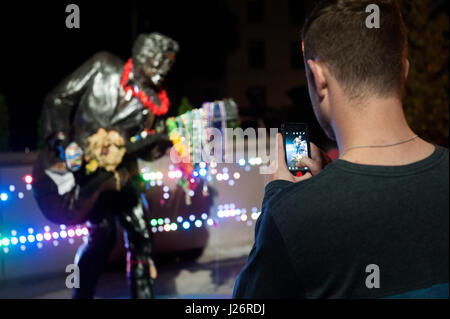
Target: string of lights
{"x": 15, "y": 241}
{"x": 158, "y": 225}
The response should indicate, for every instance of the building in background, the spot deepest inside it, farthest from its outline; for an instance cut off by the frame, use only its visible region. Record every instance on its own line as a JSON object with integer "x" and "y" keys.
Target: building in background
{"x": 267, "y": 62}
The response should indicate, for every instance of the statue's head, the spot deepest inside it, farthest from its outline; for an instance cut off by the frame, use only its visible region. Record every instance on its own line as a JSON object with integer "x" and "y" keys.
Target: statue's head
{"x": 154, "y": 54}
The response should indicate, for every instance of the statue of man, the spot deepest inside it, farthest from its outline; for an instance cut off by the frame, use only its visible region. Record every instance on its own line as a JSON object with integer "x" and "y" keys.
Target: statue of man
{"x": 93, "y": 113}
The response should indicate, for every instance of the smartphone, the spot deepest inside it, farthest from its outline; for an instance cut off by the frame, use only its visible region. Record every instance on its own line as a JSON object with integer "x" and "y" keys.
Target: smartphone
{"x": 296, "y": 145}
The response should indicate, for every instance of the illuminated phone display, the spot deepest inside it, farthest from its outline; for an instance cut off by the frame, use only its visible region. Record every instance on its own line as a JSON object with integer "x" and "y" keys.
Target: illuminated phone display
{"x": 296, "y": 145}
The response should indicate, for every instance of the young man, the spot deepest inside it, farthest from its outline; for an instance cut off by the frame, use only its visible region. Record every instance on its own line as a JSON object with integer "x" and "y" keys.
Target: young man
{"x": 374, "y": 223}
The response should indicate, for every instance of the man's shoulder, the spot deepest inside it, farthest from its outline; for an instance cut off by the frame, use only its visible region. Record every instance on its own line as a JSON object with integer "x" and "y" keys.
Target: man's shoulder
{"x": 444, "y": 151}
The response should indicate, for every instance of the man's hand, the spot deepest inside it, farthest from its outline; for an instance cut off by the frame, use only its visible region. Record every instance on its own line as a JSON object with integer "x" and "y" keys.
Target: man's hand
{"x": 319, "y": 159}
{"x": 281, "y": 170}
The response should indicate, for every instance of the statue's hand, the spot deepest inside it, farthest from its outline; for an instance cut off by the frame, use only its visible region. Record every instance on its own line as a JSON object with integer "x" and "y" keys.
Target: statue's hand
{"x": 153, "y": 271}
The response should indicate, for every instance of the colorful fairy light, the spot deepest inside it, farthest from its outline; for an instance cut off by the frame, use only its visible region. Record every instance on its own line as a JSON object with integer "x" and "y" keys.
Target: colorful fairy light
{"x": 198, "y": 223}
{"x": 186, "y": 225}
{"x": 4, "y": 197}
{"x": 28, "y": 179}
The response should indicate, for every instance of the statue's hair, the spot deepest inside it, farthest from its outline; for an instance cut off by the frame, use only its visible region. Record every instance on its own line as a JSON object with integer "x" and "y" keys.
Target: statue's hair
{"x": 147, "y": 45}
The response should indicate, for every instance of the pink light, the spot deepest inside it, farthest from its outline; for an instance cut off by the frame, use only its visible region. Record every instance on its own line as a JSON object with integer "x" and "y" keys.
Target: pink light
{"x": 47, "y": 236}
{"x": 28, "y": 179}
{"x": 85, "y": 231}
{"x": 78, "y": 232}
{"x": 71, "y": 233}
{"x": 171, "y": 174}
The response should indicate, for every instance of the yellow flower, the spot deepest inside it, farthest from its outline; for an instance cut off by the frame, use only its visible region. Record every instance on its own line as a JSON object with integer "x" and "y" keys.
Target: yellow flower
{"x": 175, "y": 137}
{"x": 91, "y": 167}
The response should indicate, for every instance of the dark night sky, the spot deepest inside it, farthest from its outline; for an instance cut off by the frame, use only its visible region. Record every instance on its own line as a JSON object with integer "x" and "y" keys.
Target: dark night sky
{"x": 38, "y": 50}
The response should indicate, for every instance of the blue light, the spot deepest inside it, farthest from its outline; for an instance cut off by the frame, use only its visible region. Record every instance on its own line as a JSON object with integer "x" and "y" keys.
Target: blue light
{"x": 202, "y": 172}
{"x": 186, "y": 225}
{"x": 4, "y": 197}
{"x": 195, "y": 173}
{"x": 241, "y": 162}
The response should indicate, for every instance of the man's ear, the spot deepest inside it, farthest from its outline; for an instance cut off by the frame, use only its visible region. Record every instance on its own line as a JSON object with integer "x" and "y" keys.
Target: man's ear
{"x": 319, "y": 78}
{"x": 406, "y": 71}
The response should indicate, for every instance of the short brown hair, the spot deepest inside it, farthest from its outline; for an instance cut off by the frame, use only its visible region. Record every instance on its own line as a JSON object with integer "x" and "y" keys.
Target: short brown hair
{"x": 363, "y": 60}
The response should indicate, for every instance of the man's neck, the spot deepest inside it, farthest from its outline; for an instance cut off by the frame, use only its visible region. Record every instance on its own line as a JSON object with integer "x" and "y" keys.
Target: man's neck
{"x": 379, "y": 121}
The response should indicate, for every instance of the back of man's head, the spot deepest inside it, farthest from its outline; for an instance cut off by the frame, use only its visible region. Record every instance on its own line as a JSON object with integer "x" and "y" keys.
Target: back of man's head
{"x": 365, "y": 61}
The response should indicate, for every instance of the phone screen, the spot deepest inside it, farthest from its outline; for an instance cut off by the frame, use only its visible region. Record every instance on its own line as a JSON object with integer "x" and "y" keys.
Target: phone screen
{"x": 296, "y": 145}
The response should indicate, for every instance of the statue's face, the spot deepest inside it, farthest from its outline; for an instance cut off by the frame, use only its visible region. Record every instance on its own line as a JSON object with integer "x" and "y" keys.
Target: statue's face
{"x": 157, "y": 66}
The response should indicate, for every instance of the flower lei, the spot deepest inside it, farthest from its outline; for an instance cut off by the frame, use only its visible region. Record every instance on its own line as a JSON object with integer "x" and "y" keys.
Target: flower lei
{"x": 146, "y": 101}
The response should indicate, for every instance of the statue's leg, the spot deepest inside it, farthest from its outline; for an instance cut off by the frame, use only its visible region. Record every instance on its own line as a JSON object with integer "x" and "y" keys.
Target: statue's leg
{"x": 93, "y": 255}
{"x": 138, "y": 240}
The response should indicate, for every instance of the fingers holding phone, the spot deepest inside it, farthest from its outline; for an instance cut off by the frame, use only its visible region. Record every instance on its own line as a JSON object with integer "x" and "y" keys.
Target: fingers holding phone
{"x": 316, "y": 163}
{"x": 281, "y": 169}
